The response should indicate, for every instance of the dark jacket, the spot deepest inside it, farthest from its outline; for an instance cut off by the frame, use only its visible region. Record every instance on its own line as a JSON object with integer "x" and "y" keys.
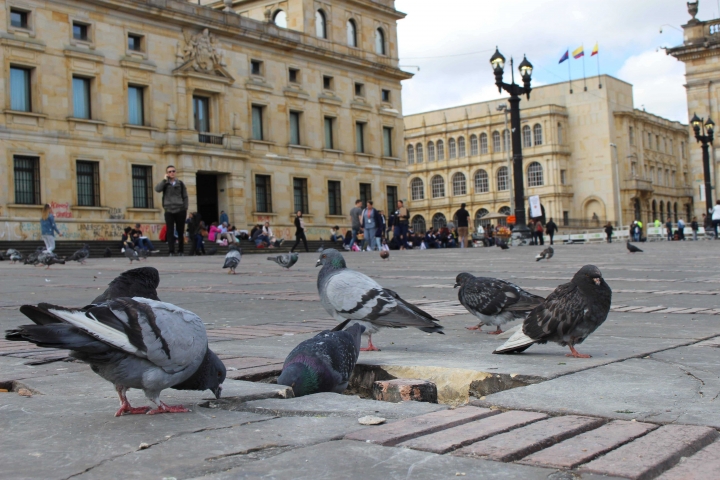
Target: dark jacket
{"x": 551, "y": 228}
{"x": 298, "y": 228}
{"x": 462, "y": 217}
{"x": 376, "y": 217}
{"x": 694, "y": 225}
{"x": 609, "y": 230}
{"x": 193, "y": 224}
{"x": 175, "y": 197}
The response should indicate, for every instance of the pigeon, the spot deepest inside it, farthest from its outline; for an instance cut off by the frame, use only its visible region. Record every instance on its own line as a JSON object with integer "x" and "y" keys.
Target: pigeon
{"x": 286, "y": 260}
{"x": 632, "y": 248}
{"x": 384, "y": 254}
{"x": 494, "y": 301}
{"x": 567, "y": 316}
{"x": 14, "y": 255}
{"x": 323, "y": 363}
{"x": 138, "y": 282}
{"x": 32, "y": 259}
{"x": 130, "y": 253}
{"x": 108, "y": 253}
{"x": 132, "y": 343}
{"x": 81, "y": 255}
{"x": 141, "y": 252}
{"x": 545, "y": 254}
{"x": 212, "y": 251}
{"x": 232, "y": 259}
{"x": 502, "y": 244}
{"x": 49, "y": 258}
{"x": 2, "y": 257}
{"x": 347, "y": 294}
{"x": 321, "y": 248}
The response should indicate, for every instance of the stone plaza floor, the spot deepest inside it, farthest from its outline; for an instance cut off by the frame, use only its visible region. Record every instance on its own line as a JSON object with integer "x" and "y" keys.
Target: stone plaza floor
{"x": 646, "y": 405}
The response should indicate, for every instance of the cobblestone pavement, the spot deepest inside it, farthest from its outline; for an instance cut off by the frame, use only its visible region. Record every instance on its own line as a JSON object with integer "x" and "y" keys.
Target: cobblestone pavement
{"x": 644, "y": 406}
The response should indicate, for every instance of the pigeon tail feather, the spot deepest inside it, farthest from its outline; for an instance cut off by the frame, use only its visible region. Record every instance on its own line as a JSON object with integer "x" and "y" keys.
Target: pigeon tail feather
{"x": 519, "y": 342}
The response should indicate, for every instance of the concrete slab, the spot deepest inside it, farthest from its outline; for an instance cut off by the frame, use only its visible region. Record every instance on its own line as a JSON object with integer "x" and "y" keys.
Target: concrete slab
{"x": 704, "y": 465}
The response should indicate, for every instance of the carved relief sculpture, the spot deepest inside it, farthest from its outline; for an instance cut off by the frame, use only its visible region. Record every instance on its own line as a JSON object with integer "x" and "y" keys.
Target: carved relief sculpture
{"x": 203, "y": 51}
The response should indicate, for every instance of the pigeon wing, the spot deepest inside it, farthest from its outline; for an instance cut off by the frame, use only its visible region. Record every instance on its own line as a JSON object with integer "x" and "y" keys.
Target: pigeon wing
{"x": 558, "y": 315}
{"x": 357, "y": 297}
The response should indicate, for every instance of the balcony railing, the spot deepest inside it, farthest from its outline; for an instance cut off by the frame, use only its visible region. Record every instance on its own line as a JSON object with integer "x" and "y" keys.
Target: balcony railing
{"x": 210, "y": 138}
{"x": 638, "y": 183}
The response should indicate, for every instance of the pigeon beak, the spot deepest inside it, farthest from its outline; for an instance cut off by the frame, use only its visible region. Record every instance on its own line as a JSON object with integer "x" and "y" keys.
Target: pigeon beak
{"x": 317, "y": 264}
{"x": 217, "y": 391}
{"x": 456, "y": 285}
{"x": 597, "y": 281}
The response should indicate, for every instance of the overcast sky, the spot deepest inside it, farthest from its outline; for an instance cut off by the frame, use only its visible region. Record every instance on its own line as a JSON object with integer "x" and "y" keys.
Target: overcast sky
{"x": 452, "y": 41}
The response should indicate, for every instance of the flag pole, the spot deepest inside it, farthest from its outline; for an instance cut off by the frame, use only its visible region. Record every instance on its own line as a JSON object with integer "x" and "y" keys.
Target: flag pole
{"x": 598, "y": 68}
{"x": 584, "y": 77}
{"x": 569, "y": 74}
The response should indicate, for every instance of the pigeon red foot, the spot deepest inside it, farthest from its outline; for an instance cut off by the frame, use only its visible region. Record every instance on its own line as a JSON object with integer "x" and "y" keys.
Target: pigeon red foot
{"x": 370, "y": 347}
{"x": 496, "y": 332}
{"x": 125, "y": 406}
{"x": 575, "y": 354}
{"x": 164, "y": 408}
{"x": 476, "y": 327}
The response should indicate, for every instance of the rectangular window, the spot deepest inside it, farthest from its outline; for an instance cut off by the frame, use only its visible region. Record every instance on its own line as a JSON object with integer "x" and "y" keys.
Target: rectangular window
{"x": 295, "y": 128}
{"x": 81, "y": 31}
{"x": 135, "y": 42}
{"x": 566, "y": 218}
{"x": 27, "y": 180}
{"x": 142, "y": 186}
{"x": 81, "y": 97}
{"x": 327, "y": 82}
{"x": 136, "y": 108}
{"x": 20, "y": 89}
{"x": 365, "y": 193}
{"x": 334, "y": 198}
{"x": 201, "y": 113}
{"x": 392, "y": 198}
{"x": 257, "y": 122}
{"x": 649, "y": 139}
{"x": 329, "y": 138}
{"x": 294, "y": 75}
{"x": 19, "y": 18}
{"x": 631, "y": 135}
{"x": 385, "y": 94}
{"x": 563, "y": 177}
{"x": 359, "y": 89}
{"x": 88, "y": 184}
{"x": 359, "y": 137}
{"x": 263, "y": 193}
{"x": 255, "y": 67}
{"x": 387, "y": 142}
{"x": 682, "y": 149}
{"x": 300, "y": 194}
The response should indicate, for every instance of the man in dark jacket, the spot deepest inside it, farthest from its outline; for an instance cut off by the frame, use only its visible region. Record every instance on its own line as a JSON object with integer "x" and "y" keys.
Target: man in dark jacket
{"x": 175, "y": 203}
{"x": 462, "y": 225}
{"x": 551, "y": 228}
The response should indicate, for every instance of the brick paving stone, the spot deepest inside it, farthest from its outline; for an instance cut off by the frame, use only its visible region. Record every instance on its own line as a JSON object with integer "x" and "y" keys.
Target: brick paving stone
{"x": 704, "y": 465}
{"x": 586, "y": 446}
{"x": 648, "y": 309}
{"x": 394, "y": 433}
{"x": 521, "y": 442}
{"x": 654, "y": 453}
{"x": 627, "y": 309}
{"x": 672, "y": 310}
{"x": 457, "y": 437}
{"x": 689, "y": 310}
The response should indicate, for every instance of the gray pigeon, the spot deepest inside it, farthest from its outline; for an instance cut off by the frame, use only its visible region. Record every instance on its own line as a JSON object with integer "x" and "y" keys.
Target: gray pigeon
{"x": 49, "y": 258}
{"x": 141, "y": 252}
{"x": 567, "y": 316}
{"x": 32, "y": 259}
{"x": 232, "y": 259}
{"x": 81, "y": 255}
{"x": 502, "y": 244}
{"x": 347, "y": 294}
{"x": 14, "y": 255}
{"x": 321, "y": 247}
{"x": 285, "y": 260}
{"x": 632, "y": 248}
{"x": 323, "y": 363}
{"x": 494, "y": 301}
{"x": 545, "y": 254}
{"x": 108, "y": 253}
{"x": 138, "y": 282}
{"x": 132, "y": 343}
{"x": 130, "y": 252}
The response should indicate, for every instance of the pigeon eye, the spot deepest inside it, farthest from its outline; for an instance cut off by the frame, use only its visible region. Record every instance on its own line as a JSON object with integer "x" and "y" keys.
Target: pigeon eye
{"x": 324, "y": 256}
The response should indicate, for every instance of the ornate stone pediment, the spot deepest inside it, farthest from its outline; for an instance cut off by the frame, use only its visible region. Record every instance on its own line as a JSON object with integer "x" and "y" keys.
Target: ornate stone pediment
{"x": 202, "y": 53}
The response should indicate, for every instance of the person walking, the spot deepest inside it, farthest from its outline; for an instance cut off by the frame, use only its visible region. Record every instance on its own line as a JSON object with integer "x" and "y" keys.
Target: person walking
{"x": 175, "y": 203}
{"x": 355, "y": 222}
{"x": 668, "y": 229}
{"x": 695, "y": 227}
{"x": 462, "y": 225}
{"x": 715, "y": 218}
{"x": 380, "y": 232}
{"x": 551, "y": 228}
{"x": 193, "y": 230}
{"x": 402, "y": 217}
{"x": 48, "y": 228}
{"x": 370, "y": 224}
{"x": 681, "y": 229}
{"x": 299, "y": 232}
{"x": 539, "y": 233}
{"x": 609, "y": 231}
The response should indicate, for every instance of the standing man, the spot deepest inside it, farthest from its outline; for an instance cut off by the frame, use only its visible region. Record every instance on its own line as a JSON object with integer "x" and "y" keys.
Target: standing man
{"x": 551, "y": 228}
{"x": 356, "y": 222}
{"x": 462, "y": 226}
{"x": 402, "y": 217}
{"x": 175, "y": 203}
{"x": 668, "y": 228}
{"x": 370, "y": 224}
{"x": 716, "y": 218}
{"x": 224, "y": 217}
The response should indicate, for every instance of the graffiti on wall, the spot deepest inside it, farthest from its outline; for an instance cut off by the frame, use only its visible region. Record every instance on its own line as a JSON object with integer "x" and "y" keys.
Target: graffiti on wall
{"x": 116, "y": 214}
{"x": 61, "y": 210}
{"x": 72, "y": 231}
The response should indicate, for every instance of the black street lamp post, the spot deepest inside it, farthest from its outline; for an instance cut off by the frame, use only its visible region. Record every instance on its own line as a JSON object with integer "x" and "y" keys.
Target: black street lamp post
{"x": 706, "y": 138}
{"x": 521, "y": 230}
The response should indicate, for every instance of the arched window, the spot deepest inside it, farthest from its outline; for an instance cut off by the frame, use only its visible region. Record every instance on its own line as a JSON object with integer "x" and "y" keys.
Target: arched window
{"x": 419, "y": 152}
{"x": 479, "y": 218}
{"x": 505, "y": 210}
{"x": 410, "y": 154}
{"x": 669, "y": 209}
{"x": 506, "y": 140}
{"x": 320, "y": 24}
{"x": 418, "y": 224}
{"x": 483, "y": 144}
{"x": 502, "y": 179}
{"x": 675, "y": 212}
{"x": 280, "y": 18}
{"x": 431, "y": 151}
{"x": 459, "y": 184}
{"x": 496, "y": 141}
{"x": 527, "y": 136}
{"x": 451, "y": 147}
{"x": 473, "y": 145}
{"x": 535, "y": 175}
{"x": 662, "y": 212}
{"x": 439, "y": 221}
{"x": 461, "y": 147}
{"x": 440, "y": 150}
{"x": 438, "y": 186}
{"x": 352, "y": 33}
{"x": 654, "y": 209}
{"x": 417, "y": 189}
{"x": 481, "y": 182}
{"x": 380, "y": 41}
{"x": 537, "y": 133}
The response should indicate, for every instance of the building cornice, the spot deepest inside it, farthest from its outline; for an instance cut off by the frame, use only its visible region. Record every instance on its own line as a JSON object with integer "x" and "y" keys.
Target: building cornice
{"x": 652, "y": 118}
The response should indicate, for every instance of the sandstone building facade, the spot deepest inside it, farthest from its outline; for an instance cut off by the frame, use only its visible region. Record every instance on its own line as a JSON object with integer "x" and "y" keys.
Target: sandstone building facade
{"x": 260, "y": 120}
{"x": 461, "y": 155}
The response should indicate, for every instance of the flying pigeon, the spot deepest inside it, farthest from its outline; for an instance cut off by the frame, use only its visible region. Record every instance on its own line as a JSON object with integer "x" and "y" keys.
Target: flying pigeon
{"x": 32, "y": 259}
{"x": 14, "y": 255}
{"x": 347, "y": 294}
{"x": 494, "y": 301}
{"x": 632, "y": 248}
{"x": 567, "y": 316}
{"x": 384, "y": 254}
{"x": 232, "y": 259}
{"x": 502, "y": 244}
{"x": 286, "y": 260}
{"x": 132, "y": 343}
{"x": 138, "y": 282}
{"x": 81, "y": 255}
{"x": 49, "y": 258}
{"x": 108, "y": 253}
{"x": 323, "y": 363}
{"x": 545, "y": 254}
{"x": 130, "y": 253}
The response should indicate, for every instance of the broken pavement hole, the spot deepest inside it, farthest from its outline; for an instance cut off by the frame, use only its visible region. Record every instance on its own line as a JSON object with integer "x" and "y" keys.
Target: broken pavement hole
{"x": 13, "y": 386}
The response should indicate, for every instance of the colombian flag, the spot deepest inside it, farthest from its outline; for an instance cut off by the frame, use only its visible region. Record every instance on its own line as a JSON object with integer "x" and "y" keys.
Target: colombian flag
{"x": 595, "y": 50}
{"x": 579, "y": 52}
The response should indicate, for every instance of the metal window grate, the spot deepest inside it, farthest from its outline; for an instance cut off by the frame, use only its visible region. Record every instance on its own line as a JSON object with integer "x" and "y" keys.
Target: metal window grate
{"x": 392, "y": 198}
{"x": 88, "y": 184}
{"x": 27, "y": 180}
{"x": 263, "y": 193}
{"x": 334, "y": 198}
{"x": 142, "y": 186}
{"x": 300, "y": 194}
